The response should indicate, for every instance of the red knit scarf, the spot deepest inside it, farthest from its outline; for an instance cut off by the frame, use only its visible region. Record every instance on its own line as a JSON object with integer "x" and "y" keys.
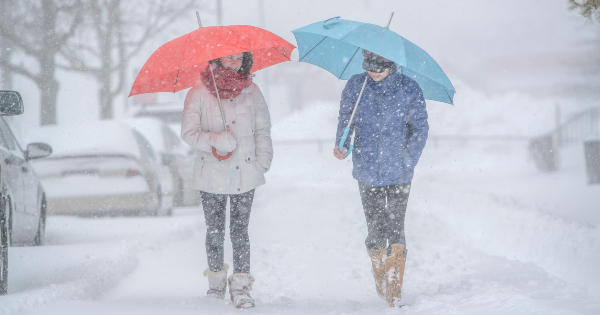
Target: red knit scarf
{"x": 229, "y": 82}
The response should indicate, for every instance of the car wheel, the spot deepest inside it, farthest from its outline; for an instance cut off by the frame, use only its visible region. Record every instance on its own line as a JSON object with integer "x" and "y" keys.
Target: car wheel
{"x": 41, "y": 232}
{"x": 4, "y": 243}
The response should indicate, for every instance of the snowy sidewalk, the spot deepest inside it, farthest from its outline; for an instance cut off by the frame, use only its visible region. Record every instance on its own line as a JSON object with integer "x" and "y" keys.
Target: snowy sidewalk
{"x": 481, "y": 240}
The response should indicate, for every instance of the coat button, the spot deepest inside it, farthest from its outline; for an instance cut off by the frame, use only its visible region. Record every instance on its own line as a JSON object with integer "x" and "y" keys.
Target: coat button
{"x": 231, "y": 99}
{"x": 233, "y": 121}
{"x": 238, "y": 189}
{"x": 237, "y": 167}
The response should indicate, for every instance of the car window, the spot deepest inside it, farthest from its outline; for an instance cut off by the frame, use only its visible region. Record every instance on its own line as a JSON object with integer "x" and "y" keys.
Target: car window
{"x": 144, "y": 145}
{"x": 6, "y": 138}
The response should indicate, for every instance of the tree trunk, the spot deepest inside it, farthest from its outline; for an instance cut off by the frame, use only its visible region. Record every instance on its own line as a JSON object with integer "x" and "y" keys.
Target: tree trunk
{"x": 106, "y": 110}
{"x": 5, "y": 52}
{"x": 105, "y": 74}
{"x": 48, "y": 95}
{"x": 6, "y": 75}
{"x": 47, "y": 83}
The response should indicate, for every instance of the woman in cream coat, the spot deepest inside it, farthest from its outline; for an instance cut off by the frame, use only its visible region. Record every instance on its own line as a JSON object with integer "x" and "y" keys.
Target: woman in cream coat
{"x": 247, "y": 135}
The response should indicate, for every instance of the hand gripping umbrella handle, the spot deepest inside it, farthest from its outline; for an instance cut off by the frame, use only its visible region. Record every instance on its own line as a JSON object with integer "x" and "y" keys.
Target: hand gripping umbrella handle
{"x": 343, "y": 140}
{"x": 221, "y": 157}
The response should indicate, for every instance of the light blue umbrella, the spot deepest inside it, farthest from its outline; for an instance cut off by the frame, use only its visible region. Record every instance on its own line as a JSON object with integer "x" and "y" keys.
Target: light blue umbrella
{"x": 336, "y": 45}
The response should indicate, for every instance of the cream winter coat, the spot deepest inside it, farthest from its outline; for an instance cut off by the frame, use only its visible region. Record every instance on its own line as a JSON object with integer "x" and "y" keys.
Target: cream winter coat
{"x": 248, "y": 118}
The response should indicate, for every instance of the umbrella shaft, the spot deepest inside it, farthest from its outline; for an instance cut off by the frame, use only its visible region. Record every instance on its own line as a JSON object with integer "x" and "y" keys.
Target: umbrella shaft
{"x": 362, "y": 89}
{"x": 212, "y": 75}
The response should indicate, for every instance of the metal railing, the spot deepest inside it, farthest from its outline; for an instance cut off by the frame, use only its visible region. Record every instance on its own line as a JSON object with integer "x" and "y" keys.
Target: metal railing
{"x": 582, "y": 126}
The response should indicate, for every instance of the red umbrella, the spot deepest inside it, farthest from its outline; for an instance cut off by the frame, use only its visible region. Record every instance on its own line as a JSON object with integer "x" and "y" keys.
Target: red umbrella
{"x": 177, "y": 64}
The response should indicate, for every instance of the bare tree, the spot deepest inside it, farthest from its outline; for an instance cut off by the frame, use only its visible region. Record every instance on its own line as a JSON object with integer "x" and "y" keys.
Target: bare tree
{"x": 5, "y": 51}
{"x": 5, "y": 74}
{"x": 38, "y": 30}
{"x": 118, "y": 31}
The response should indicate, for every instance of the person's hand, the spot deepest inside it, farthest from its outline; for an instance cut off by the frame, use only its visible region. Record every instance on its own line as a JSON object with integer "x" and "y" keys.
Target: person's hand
{"x": 224, "y": 142}
{"x": 338, "y": 154}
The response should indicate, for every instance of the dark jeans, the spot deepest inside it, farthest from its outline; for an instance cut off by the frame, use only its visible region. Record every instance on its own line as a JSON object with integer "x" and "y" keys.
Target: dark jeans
{"x": 214, "y": 206}
{"x": 385, "y": 208}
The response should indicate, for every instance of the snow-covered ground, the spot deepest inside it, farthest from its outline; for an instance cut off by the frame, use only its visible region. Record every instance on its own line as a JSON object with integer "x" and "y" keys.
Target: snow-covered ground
{"x": 486, "y": 233}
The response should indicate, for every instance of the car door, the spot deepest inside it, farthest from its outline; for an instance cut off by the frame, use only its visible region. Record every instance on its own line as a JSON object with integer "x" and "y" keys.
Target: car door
{"x": 31, "y": 183}
{"x": 14, "y": 167}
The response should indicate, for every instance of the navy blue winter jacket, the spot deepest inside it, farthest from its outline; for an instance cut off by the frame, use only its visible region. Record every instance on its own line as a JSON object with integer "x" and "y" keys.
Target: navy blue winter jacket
{"x": 390, "y": 128}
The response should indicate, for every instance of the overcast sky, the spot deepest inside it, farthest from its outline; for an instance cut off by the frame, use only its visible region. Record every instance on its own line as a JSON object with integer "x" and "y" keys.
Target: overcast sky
{"x": 492, "y": 46}
{"x": 465, "y": 36}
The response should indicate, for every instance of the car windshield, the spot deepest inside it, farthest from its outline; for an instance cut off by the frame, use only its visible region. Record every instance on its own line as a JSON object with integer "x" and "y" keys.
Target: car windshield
{"x": 165, "y": 116}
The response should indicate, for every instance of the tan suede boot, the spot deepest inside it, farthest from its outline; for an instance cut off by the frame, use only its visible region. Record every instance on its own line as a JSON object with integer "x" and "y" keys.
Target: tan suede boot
{"x": 394, "y": 269}
{"x": 217, "y": 282}
{"x": 378, "y": 264}
{"x": 240, "y": 285}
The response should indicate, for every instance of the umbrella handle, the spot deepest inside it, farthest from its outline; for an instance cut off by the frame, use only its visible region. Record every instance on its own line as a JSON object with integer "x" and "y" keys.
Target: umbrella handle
{"x": 343, "y": 140}
{"x": 221, "y": 157}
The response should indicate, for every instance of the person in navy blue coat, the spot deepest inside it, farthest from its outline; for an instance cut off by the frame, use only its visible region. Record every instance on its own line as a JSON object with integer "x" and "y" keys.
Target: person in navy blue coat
{"x": 390, "y": 128}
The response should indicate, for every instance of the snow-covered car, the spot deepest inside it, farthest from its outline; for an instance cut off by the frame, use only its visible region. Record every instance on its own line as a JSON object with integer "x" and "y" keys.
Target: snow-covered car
{"x": 173, "y": 154}
{"x": 101, "y": 168}
{"x": 167, "y": 112}
{"x": 22, "y": 197}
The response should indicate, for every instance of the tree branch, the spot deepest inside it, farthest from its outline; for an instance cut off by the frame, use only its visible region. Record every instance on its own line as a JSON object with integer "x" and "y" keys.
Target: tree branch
{"x": 12, "y": 38}
{"x": 22, "y": 71}
{"x": 61, "y": 40}
{"x": 156, "y": 26}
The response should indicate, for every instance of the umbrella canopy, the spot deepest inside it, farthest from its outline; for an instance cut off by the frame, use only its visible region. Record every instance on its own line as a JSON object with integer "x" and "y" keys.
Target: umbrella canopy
{"x": 336, "y": 45}
{"x": 177, "y": 64}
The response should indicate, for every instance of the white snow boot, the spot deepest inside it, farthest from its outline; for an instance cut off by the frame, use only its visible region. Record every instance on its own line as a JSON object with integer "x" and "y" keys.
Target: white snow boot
{"x": 240, "y": 285}
{"x": 378, "y": 257}
{"x": 217, "y": 282}
{"x": 394, "y": 269}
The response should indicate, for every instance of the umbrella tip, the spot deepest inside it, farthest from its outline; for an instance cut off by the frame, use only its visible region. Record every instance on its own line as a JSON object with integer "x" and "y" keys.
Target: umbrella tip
{"x": 327, "y": 23}
{"x": 390, "y": 20}
{"x": 198, "y": 18}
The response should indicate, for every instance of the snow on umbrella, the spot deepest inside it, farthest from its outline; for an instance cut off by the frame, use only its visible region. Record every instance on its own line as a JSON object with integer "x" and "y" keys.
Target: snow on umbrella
{"x": 336, "y": 45}
{"x": 177, "y": 64}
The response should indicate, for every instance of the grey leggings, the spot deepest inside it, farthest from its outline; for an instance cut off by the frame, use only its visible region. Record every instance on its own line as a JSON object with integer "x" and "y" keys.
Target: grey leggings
{"x": 214, "y": 206}
{"x": 385, "y": 208}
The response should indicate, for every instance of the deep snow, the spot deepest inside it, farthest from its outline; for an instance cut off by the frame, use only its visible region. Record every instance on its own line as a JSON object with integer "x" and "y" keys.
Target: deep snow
{"x": 486, "y": 234}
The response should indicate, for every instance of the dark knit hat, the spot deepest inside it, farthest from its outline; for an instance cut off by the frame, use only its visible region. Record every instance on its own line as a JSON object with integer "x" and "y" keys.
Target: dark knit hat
{"x": 374, "y": 63}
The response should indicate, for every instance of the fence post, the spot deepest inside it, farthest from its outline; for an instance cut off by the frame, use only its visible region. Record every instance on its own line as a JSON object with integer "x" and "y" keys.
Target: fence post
{"x": 592, "y": 160}
{"x": 557, "y": 124}
{"x": 544, "y": 152}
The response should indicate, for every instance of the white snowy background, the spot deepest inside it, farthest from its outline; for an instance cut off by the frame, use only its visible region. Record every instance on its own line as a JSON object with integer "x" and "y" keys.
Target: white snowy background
{"x": 487, "y": 233}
